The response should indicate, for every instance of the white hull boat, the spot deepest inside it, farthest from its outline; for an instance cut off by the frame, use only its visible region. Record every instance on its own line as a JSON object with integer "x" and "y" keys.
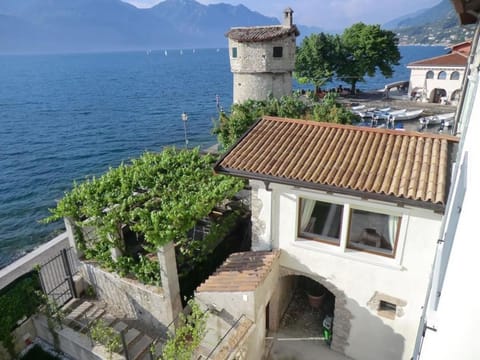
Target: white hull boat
{"x": 408, "y": 115}
{"x": 437, "y": 119}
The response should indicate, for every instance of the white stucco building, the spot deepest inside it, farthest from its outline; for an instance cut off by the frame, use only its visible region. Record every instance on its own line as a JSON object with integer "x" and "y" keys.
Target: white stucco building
{"x": 450, "y": 323}
{"x": 439, "y": 79}
{"x": 356, "y": 209}
{"x": 262, "y": 59}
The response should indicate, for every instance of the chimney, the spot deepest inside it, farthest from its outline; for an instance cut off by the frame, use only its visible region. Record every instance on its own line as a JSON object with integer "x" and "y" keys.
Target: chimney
{"x": 288, "y": 17}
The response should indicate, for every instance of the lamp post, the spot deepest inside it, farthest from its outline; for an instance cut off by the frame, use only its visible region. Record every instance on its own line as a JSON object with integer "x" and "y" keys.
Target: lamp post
{"x": 184, "y": 120}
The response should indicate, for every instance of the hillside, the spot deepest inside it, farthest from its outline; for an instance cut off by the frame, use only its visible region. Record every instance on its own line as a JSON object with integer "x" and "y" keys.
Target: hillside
{"x": 433, "y": 26}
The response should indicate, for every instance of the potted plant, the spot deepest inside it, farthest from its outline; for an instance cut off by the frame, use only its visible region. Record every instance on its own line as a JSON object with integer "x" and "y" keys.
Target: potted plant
{"x": 315, "y": 293}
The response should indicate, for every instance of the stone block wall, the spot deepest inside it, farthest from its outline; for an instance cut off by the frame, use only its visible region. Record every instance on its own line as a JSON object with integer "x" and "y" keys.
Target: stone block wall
{"x": 137, "y": 301}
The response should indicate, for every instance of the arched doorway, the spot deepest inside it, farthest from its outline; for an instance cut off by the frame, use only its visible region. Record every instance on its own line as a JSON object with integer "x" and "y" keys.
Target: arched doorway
{"x": 437, "y": 95}
{"x": 294, "y": 317}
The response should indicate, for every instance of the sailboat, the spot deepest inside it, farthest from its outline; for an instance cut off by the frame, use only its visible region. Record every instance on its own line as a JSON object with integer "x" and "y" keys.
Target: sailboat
{"x": 181, "y": 52}
{"x": 166, "y": 53}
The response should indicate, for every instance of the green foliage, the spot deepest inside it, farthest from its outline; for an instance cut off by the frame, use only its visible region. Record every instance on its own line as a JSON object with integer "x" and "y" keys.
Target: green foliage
{"x": 361, "y": 50}
{"x": 188, "y": 335}
{"x": 55, "y": 316}
{"x": 316, "y": 59}
{"x": 107, "y": 336}
{"x": 364, "y": 49}
{"x": 329, "y": 110}
{"x": 17, "y": 301}
{"x": 158, "y": 195}
{"x": 242, "y": 116}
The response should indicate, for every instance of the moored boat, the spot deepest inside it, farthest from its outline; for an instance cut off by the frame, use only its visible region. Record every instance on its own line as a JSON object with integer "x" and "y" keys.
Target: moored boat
{"x": 408, "y": 115}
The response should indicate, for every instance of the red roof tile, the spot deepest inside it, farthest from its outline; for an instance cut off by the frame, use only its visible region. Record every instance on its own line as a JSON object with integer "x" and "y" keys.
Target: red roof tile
{"x": 454, "y": 59}
{"x": 242, "y": 271}
{"x": 389, "y": 165}
{"x": 261, "y": 33}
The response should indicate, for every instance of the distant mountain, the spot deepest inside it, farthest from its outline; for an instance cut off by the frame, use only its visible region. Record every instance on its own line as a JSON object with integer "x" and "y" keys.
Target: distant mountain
{"x": 31, "y": 26}
{"x": 436, "y": 25}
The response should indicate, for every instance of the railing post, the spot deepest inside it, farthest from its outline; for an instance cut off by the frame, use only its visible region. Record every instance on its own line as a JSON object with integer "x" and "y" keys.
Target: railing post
{"x": 68, "y": 272}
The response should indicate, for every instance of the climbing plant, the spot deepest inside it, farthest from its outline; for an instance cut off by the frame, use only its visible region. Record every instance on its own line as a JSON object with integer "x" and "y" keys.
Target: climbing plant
{"x": 159, "y": 195}
{"x": 187, "y": 336}
{"x": 17, "y": 301}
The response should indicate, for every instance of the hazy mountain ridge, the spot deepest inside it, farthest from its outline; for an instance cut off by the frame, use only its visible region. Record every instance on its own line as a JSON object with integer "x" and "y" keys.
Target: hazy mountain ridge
{"x": 31, "y": 26}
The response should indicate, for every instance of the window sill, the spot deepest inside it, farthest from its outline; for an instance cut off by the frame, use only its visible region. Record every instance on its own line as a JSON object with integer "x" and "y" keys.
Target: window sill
{"x": 349, "y": 254}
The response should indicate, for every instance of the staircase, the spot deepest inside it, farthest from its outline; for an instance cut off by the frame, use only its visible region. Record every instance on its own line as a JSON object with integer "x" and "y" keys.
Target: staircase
{"x": 81, "y": 315}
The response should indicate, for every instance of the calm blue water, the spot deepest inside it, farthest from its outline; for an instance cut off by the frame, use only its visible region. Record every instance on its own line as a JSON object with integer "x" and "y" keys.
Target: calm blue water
{"x": 64, "y": 117}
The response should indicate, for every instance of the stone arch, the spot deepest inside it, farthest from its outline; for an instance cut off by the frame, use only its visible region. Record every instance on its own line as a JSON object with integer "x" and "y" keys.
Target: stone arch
{"x": 437, "y": 94}
{"x": 342, "y": 316}
{"x": 456, "y": 95}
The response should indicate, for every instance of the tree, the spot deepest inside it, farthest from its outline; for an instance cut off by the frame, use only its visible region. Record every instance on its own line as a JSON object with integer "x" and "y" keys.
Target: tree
{"x": 366, "y": 49}
{"x": 316, "y": 59}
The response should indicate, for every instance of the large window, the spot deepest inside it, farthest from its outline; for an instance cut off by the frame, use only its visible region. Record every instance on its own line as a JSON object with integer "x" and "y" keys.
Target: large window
{"x": 442, "y": 75}
{"x": 367, "y": 231}
{"x": 320, "y": 221}
{"x": 430, "y": 74}
{"x": 374, "y": 232}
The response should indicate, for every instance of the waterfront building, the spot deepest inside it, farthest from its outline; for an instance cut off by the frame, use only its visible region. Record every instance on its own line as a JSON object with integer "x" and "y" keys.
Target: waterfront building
{"x": 439, "y": 79}
{"x": 262, "y": 59}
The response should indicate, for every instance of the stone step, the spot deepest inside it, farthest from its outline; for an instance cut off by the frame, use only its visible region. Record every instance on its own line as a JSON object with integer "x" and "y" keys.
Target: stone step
{"x": 108, "y": 319}
{"x": 140, "y": 348}
{"x": 79, "y": 310}
{"x": 120, "y": 326}
{"x": 131, "y": 336}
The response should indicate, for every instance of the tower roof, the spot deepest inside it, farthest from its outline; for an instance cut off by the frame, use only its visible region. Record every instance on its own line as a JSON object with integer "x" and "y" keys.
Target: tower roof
{"x": 261, "y": 33}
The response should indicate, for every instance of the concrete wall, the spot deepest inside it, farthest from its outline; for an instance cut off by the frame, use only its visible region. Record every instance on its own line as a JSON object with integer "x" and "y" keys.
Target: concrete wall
{"x": 418, "y": 80}
{"x": 357, "y": 279}
{"x": 38, "y": 256}
{"x": 137, "y": 301}
{"x": 23, "y": 336}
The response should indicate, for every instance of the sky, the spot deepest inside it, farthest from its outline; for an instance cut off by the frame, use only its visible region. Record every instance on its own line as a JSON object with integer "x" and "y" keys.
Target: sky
{"x": 325, "y": 14}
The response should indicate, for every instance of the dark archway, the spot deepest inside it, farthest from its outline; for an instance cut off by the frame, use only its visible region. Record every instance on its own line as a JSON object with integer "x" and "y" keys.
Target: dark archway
{"x": 437, "y": 94}
{"x": 292, "y": 313}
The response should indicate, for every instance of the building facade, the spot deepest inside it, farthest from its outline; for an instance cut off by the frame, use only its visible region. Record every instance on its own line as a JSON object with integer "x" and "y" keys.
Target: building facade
{"x": 262, "y": 59}
{"x": 439, "y": 79}
{"x": 357, "y": 210}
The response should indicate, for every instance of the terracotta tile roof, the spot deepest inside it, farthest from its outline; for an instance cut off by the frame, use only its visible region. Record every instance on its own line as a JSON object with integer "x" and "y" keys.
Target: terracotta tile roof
{"x": 261, "y": 33}
{"x": 242, "y": 271}
{"x": 453, "y": 59}
{"x": 390, "y": 165}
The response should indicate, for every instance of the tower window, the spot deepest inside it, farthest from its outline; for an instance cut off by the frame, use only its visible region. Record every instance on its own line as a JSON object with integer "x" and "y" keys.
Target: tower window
{"x": 234, "y": 52}
{"x": 277, "y": 51}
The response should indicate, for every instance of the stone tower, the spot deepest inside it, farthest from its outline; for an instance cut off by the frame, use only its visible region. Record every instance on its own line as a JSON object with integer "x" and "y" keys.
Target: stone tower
{"x": 262, "y": 59}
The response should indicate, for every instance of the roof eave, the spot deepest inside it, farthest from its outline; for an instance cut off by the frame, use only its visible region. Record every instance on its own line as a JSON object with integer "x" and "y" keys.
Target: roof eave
{"x": 400, "y": 201}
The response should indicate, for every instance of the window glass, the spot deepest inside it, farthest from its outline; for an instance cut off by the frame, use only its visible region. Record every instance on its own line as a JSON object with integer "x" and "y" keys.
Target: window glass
{"x": 442, "y": 75}
{"x": 373, "y": 232}
{"x": 455, "y": 75}
{"x": 320, "y": 221}
{"x": 430, "y": 74}
{"x": 277, "y": 51}
{"x": 234, "y": 52}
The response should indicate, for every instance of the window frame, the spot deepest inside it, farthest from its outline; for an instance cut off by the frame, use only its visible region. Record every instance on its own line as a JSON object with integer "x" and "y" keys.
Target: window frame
{"x": 370, "y": 249}
{"x": 275, "y": 54}
{"x": 430, "y": 72}
{"x": 234, "y": 52}
{"x": 456, "y": 74}
{"x": 343, "y": 246}
{"x": 318, "y": 237}
{"x": 442, "y": 75}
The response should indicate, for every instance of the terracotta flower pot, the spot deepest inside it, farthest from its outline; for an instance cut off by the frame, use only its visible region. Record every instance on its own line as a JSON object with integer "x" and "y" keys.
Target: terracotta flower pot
{"x": 315, "y": 301}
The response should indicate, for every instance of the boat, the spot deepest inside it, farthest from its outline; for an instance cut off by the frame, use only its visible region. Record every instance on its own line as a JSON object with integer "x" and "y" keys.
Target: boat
{"x": 437, "y": 119}
{"x": 408, "y": 115}
{"x": 396, "y": 112}
{"x": 357, "y": 108}
{"x": 166, "y": 53}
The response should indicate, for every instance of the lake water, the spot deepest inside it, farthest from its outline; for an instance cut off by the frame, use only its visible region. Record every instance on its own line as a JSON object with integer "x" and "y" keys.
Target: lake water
{"x": 65, "y": 117}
